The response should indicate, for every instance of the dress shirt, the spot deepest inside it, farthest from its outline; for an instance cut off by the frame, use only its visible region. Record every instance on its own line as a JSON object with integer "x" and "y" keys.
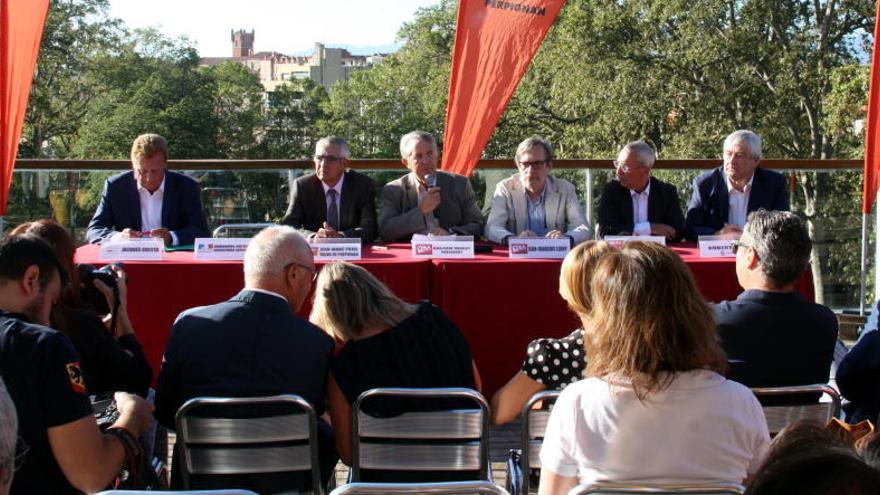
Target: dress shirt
{"x": 739, "y": 202}
{"x": 151, "y": 209}
{"x": 537, "y": 220}
{"x": 338, "y": 189}
{"x": 641, "y": 225}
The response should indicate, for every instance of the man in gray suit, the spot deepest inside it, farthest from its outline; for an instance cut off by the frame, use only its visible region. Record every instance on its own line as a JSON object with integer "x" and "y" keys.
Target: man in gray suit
{"x": 533, "y": 203}
{"x": 427, "y": 201}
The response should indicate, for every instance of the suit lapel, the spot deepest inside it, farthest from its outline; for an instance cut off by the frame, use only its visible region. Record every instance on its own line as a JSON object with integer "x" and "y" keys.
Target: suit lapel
{"x": 167, "y": 206}
{"x": 134, "y": 199}
{"x": 757, "y": 192}
{"x": 551, "y": 206}
{"x": 723, "y": 205}
{"x": 347, "y": 200}
{"x": 520, "y": 209}
{"x": 316, "y": 190}
{"x": 411, "y": 187}
{"x": 626, "y": 206}
{"x": 655, "y": 201}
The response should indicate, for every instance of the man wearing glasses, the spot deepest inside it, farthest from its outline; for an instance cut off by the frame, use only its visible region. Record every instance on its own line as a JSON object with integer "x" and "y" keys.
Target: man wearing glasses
{"x": 252, "y": 345}
{"x": 333, "y": 202}
{"x": 637, "y": 203}
{"x": 533, "y": 203}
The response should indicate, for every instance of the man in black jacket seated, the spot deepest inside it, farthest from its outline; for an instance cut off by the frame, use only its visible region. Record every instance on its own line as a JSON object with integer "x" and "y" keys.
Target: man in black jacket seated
{"x": 772, "y": 335}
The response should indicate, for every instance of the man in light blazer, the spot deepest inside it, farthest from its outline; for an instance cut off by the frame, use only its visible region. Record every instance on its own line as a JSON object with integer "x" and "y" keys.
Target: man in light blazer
{"x": 533, "y": 203}
{"x": 427, "y": 201}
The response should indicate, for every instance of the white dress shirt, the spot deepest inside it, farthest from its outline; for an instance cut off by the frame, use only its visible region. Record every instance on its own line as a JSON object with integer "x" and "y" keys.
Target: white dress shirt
{"x": 738, "y": 202}
{"x": 151, "y": 209}
{"x": 641, "y": 225}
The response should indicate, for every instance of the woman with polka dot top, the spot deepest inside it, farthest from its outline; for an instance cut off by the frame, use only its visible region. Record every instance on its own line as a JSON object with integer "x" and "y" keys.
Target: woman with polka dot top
{"x": 554, "y": 363}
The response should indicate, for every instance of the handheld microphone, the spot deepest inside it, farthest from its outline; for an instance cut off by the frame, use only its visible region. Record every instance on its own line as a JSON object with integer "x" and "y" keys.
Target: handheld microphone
{"x": 430, "y": 180}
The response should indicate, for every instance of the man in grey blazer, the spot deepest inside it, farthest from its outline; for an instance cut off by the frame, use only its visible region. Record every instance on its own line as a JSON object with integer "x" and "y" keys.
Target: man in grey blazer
{"x": 533, "y": 203}
{"x": 427, "y": 201}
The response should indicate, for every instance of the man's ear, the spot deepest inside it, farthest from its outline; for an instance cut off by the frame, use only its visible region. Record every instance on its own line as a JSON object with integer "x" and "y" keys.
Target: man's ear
{"x": 30, "y": 282}
{"x": 752, "y": 259}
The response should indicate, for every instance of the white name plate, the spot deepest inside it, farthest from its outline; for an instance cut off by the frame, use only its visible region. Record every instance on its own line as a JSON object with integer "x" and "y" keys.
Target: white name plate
{"x": 537, "y": 247}
{"x": 716, "y": 246}
{"x": 221, "y": 248}
{"x": 427, "y": 247}
{"x": 619, "y": 240}
{"x": 336, "y": 248}
{"x": 132, "y": 249}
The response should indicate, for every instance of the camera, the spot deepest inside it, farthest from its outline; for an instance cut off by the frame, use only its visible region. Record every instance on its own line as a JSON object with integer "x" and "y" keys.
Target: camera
{"x": 91, "y": 297}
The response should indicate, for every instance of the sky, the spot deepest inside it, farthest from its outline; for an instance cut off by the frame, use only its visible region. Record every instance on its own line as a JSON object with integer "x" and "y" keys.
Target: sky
{"x": 286, "y": 26}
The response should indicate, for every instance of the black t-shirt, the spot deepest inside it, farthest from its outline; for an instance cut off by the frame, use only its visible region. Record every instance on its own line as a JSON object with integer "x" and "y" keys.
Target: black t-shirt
{"x": 43, "y": 375}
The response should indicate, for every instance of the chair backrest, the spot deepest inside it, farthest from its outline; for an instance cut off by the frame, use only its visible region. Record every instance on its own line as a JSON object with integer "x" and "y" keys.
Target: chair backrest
{"x": 659, "y": 489}
{"x": 780, "y": 416}
{"x": 450, "y": 487}
{"x": 251, "y": 435}
{"x": 240, "y": 229}
{"x": 434, "y": 440}
{"x": 534, "y": 422}
{"x": 177, "y": 492}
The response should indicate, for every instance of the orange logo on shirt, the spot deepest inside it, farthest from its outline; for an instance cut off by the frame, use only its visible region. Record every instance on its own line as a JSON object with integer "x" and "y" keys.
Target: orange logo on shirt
{"x": 77, "y": 381}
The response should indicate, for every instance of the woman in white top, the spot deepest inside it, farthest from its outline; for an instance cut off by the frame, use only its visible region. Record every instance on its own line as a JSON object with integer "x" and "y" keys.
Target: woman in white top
{"x": 655, "y": 407}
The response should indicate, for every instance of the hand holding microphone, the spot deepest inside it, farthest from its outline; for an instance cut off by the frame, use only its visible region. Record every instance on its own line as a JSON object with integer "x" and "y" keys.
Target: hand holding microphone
{"x": 429, "y": 201}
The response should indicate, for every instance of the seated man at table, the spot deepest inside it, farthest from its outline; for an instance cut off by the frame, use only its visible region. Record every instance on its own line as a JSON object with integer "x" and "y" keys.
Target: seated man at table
{"x": 333, "y": 202}
{"x": 149, "y": 201}
{"x": 252, "y": 345}
{"x": 723, "y": 197}
{"x": 427, "y": 201}
{"x": 773, "y": 335}
{"x": 533, "y": 203}
{"x": 637, "y": 203}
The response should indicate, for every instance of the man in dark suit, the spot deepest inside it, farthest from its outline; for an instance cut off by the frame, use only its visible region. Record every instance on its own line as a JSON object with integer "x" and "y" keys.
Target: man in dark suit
{"x": 149, "y": 201}
{"x": 427, "y": 201}
{"x": 252, "y": 345}
{"x": 772, "y": 335}
{"x": 333, "y": 202}
{"x": 723, "y": 197}
{"x": 637, "y": 203}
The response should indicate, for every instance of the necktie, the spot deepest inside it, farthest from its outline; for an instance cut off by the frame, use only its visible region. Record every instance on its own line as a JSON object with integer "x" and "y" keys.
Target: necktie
{"x": 333, "y": 210}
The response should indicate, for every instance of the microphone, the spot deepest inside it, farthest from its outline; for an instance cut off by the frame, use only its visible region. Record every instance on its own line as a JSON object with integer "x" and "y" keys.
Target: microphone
{"x": 430, "y": 180}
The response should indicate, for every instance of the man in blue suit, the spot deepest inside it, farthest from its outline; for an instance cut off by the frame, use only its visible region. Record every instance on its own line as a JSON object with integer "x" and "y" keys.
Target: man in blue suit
{"x": 723, "y": 197}
{"x": 149, "y": 201}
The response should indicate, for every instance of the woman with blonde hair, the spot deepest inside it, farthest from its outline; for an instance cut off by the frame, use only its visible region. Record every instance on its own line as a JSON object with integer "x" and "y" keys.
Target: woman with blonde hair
{"x": 386, "y": 343}
{"x": 554, "y": 363}
{"x": 655, "y": 407}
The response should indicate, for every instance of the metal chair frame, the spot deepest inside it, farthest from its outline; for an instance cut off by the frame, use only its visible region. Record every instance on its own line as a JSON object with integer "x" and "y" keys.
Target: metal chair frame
{"x": 454, "y": 424}
{"x": 660, "y": 488}
{"x": 231, "y": 226}
{"x": 780, "y": 416}
{"x": 451, "y": 487}
{"x": 534, "y": 423}
{"x": 269, "y": 432}
{"x": 178, "y": 492}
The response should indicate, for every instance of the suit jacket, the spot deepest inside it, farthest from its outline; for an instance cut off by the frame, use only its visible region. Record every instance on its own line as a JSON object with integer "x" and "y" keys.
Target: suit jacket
{"x": 251, "y": 345}
{"x": 401, "y": 218}
{"x": 710, "y": 203}
{"x": 562, "y": 210}
{"x": 308, "y": 206}
{"x": 616, "y": 208}
{"x": 858, "y": 375}
{"x": 120, "y": 208}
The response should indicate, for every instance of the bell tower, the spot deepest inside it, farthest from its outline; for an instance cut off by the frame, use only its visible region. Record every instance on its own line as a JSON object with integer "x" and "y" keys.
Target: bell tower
{"x": 242, "y": 43}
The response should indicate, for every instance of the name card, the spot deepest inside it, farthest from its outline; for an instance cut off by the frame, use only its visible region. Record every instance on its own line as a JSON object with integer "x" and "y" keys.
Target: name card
{"x": 429, "y": 247}
{"x": 716, "y": 246}
{"x": 220, "y": 248}
{"x": 538, "y": 247}
{"x": 147, "y": 249}
{"x": 336, "y": 248}
{"x": 619, "y": 240}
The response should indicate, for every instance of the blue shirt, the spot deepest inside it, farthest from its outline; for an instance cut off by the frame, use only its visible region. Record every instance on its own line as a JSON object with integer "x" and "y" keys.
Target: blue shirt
{"x": 537, "y": 222}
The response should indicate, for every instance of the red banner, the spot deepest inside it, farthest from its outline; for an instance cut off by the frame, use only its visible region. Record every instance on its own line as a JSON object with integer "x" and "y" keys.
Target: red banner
{"x": 872, "y": 140}
{"x": 494, "y": 43}
{"x": 21, "y": 28}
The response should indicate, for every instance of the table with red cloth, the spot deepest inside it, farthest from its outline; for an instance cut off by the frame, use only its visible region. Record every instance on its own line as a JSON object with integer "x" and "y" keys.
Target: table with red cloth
{"x": 500, "y": 304}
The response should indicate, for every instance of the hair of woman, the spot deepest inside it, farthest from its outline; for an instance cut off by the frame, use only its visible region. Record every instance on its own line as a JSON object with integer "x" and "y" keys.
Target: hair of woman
{"x": 574, "y": 275}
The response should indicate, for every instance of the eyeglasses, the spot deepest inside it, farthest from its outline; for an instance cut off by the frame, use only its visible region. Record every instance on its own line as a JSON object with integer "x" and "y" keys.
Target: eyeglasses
{"x": 311, "y": 269}
{"x": 535, "y": 165}
{"x": 735, "y": 245}
{"x": 623, "y": 167}
{"x": 328, "y": 158}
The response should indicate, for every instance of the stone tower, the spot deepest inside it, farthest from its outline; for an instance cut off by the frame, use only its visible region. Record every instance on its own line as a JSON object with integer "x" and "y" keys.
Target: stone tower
{"x": 242, "y": 43}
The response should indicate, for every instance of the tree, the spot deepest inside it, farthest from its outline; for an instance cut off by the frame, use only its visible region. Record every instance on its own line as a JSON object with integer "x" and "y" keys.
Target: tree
{"x": 294, "y": 113}
{"x": 238, "y": 108}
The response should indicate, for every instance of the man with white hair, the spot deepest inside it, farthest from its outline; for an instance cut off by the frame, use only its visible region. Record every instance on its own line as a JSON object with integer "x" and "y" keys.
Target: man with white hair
{"x": 252, "y": 345}
{"x": 8, "y": 438}
{"x": 637, "y": 203}
{"x": 723, "y": 197}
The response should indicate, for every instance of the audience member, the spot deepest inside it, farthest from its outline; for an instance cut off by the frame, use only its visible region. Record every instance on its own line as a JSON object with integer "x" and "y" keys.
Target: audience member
{"x": 333, "y": 202}
{"x": 654, "y": 406}
{"x": 637, "y": 203}
{"x": 723, "y": 197}
{"x": 426, "y": 200}
{"x": 66, "y": 451}
{"x": 387, "y": 343}
{"x": 858, "y": 375}
{"x": 773, "y": 335}
{"x": 112, "y": 358}
{"x": 252, "y": 345}
{"x": 150, "y": 201}
{"x": 8, "y": 439}
{"x": 554, "y": 363}
{"x": 533, "y": 203}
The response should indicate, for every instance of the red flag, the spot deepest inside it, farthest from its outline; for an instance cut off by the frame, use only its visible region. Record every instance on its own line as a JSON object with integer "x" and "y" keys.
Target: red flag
{"x": 872, "y": 140}
{"x": 21, "y": 28}
{"x": 494, "y": 42}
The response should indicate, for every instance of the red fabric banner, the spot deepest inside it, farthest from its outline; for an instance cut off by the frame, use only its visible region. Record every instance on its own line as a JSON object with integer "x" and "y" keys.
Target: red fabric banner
{"x": 872, "y": 140}
{"x": 21, "y": 28}
{"x": 494, "y": 42}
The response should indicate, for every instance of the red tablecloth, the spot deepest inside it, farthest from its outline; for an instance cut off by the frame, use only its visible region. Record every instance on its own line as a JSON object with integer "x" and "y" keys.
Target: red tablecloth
{"x": 500, "y": 304}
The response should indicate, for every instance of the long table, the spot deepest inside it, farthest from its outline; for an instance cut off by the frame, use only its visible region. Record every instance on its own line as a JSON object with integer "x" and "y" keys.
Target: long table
{"x": 500, "y": 304}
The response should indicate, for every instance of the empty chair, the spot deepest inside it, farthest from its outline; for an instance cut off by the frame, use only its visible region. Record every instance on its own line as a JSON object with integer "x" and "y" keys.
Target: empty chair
{"x": 452, "y": 487}
{"x": 240, "y": 439}
{"x": 534, "y": 422}
{"x": 668, "y": 489}
{"x": 780, "y": 416}
{"x": 399, "y": 435}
